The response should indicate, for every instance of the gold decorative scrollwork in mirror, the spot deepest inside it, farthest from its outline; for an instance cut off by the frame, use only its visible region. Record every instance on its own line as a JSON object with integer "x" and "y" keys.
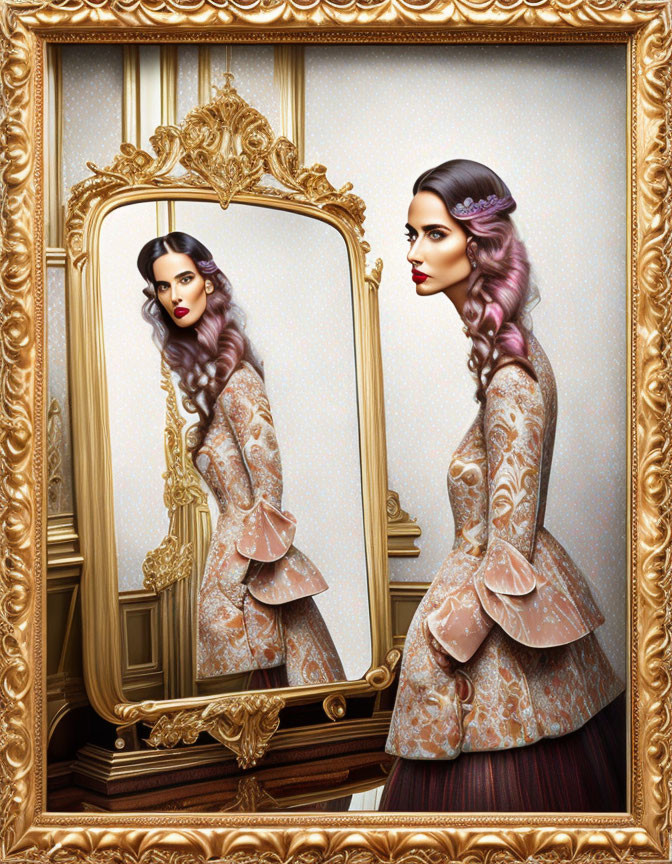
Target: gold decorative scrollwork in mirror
{"x": 293, "y": 247}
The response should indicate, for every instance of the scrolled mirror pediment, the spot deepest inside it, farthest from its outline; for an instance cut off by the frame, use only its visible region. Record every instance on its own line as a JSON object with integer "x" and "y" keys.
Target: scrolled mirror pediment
{"x": 226, "y": 146}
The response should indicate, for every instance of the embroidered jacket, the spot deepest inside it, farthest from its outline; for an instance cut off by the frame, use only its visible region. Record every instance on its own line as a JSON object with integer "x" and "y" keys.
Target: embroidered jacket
{"x": 252, "y": 568}
{"x": 501, "y": 650}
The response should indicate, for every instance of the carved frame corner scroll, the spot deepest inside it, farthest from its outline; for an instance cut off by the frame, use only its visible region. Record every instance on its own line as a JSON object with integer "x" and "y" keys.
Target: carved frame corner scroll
{"x": 27, "y": 831}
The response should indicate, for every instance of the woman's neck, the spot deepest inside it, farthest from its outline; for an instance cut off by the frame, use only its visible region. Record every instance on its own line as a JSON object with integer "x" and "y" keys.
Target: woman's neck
{"x": 457, "y": 294}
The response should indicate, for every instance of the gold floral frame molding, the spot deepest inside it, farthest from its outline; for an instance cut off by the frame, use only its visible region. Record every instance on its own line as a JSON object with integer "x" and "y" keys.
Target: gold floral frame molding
{"x": 226, "y": 147}
{"x": 27, "y": 832}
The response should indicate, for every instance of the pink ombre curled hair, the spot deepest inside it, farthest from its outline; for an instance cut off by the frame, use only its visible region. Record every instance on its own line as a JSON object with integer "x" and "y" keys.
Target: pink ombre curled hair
{"x": 499, "y": 286}
{"x": 205, "y": 355}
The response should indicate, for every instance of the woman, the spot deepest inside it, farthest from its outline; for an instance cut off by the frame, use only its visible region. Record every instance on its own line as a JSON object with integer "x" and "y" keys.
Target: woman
{"x": 501, "y": 651}
{"x": 255, "y": 606}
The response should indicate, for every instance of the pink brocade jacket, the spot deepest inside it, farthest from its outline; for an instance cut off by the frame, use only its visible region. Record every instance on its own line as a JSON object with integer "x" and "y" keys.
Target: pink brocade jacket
{"x": 501, "y": 650}
{"x": 252, "y": 568}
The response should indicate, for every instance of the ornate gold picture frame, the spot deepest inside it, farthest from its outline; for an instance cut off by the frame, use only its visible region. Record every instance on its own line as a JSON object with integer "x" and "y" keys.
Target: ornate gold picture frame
{"x": 28, "y": 831}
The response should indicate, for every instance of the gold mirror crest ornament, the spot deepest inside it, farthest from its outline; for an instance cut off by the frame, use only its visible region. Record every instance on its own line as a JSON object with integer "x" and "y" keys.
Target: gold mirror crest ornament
{"x": 30, "y": 834}
{"x": 226, "y": 146}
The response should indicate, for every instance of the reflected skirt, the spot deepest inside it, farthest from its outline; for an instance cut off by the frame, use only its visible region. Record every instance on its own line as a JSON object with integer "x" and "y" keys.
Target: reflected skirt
{"x": 584, "y": 771}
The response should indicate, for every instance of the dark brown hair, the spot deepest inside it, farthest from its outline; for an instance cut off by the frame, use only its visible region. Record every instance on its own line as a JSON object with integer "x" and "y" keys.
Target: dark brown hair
{"x": 499, "y": 285}
{"x": 205, "y": 355}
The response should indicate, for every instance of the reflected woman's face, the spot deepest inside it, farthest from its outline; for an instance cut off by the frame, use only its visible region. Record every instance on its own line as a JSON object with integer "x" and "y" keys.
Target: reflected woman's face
{"x": 180, "y": 288}
{"x": 438, "y": 245}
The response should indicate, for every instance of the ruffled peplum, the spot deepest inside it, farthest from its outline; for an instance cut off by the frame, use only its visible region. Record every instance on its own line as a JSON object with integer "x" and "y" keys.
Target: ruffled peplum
{"x": 286, "y": 573}
{"x": 540, "y": 603}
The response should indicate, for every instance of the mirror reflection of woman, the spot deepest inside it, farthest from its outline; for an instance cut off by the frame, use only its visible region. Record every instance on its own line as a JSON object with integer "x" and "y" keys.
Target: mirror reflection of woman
{"x": 255, "y": 605}
{"x": 506, "y": 700}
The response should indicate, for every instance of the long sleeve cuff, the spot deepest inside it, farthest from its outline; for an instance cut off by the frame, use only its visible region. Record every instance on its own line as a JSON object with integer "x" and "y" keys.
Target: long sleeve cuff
{"x": 515, "y": 593}
{"x": 266, "y": 533}
{"x": 459, "y": 624}
{"x": 557, "y": 610}
{"x": 506, "y": 570}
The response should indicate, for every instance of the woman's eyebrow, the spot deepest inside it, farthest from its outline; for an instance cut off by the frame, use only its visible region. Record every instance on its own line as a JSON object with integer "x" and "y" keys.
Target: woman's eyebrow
{"x": 177, "y": 276}
{"x": 409, "y": 227}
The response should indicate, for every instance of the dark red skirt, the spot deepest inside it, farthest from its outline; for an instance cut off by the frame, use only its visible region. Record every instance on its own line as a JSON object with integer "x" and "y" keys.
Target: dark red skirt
{"x": 583, "y": 772}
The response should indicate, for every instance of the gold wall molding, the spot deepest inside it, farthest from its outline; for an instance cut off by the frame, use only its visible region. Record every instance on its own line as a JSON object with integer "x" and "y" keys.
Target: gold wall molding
{"x": 62, "y": 542}
{"x": 401, "y": 529}
{"x": 244, "y": 724}
{"x": 130, "y": 99}
{"x": 28, "y": 832}
{"x": 204, "y": 74}
{"x": 290, "y": 79}
{"x": 168, "y": 85}
{"x": 405, "y": 598}
{"x": 54, "y": 186}
{"x": 55, "y": 256}
{"x": 55, "y": 455}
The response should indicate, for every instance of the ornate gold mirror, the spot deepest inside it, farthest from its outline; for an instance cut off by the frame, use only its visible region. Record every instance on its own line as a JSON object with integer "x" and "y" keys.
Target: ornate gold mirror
{"x": 220, "y": 589}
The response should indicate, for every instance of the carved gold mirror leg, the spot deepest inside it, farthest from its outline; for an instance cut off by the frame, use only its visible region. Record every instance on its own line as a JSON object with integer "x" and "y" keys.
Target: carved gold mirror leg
{"x": 244, "y": 724}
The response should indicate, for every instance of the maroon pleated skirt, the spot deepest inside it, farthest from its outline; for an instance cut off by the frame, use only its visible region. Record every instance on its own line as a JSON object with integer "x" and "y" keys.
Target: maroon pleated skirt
{"x": 584, "y": 771}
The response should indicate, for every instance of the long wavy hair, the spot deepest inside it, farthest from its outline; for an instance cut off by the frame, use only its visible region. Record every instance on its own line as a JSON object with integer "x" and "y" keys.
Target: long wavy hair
{"x": 499, "y": 285}
{"x": 205, "y": 355}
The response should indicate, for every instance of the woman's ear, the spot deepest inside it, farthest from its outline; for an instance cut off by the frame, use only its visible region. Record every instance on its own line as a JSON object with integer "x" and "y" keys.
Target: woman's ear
{"x": 209, "y": 287}
{"x": 471, "y": 251}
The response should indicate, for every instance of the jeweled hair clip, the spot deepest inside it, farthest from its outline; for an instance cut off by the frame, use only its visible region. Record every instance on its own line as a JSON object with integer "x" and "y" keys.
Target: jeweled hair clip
{"x": 208, "y": 267}
{"x": 491, "y": 204}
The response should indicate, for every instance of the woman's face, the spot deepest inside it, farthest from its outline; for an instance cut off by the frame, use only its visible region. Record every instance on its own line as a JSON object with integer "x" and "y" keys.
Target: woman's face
{"x": 180, "y": 288}
{"x": 438, "y": 245}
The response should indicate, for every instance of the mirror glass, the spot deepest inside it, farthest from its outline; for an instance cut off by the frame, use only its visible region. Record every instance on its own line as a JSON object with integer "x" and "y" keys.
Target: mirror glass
{"x": 290, "y": 277}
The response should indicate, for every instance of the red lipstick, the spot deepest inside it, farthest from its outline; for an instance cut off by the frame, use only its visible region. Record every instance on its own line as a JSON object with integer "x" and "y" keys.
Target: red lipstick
{"x": 181, "y": 311}
{"x": 417, "y": 276}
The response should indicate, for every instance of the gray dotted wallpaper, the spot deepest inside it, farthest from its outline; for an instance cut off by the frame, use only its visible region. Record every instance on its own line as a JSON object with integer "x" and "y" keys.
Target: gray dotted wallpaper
{"x": 92, "y": 87}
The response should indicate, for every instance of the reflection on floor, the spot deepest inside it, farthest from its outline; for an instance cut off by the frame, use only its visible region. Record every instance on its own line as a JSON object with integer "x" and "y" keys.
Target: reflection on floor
{"x": 368, "y": 800}
{"x": 206, "y": 778}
